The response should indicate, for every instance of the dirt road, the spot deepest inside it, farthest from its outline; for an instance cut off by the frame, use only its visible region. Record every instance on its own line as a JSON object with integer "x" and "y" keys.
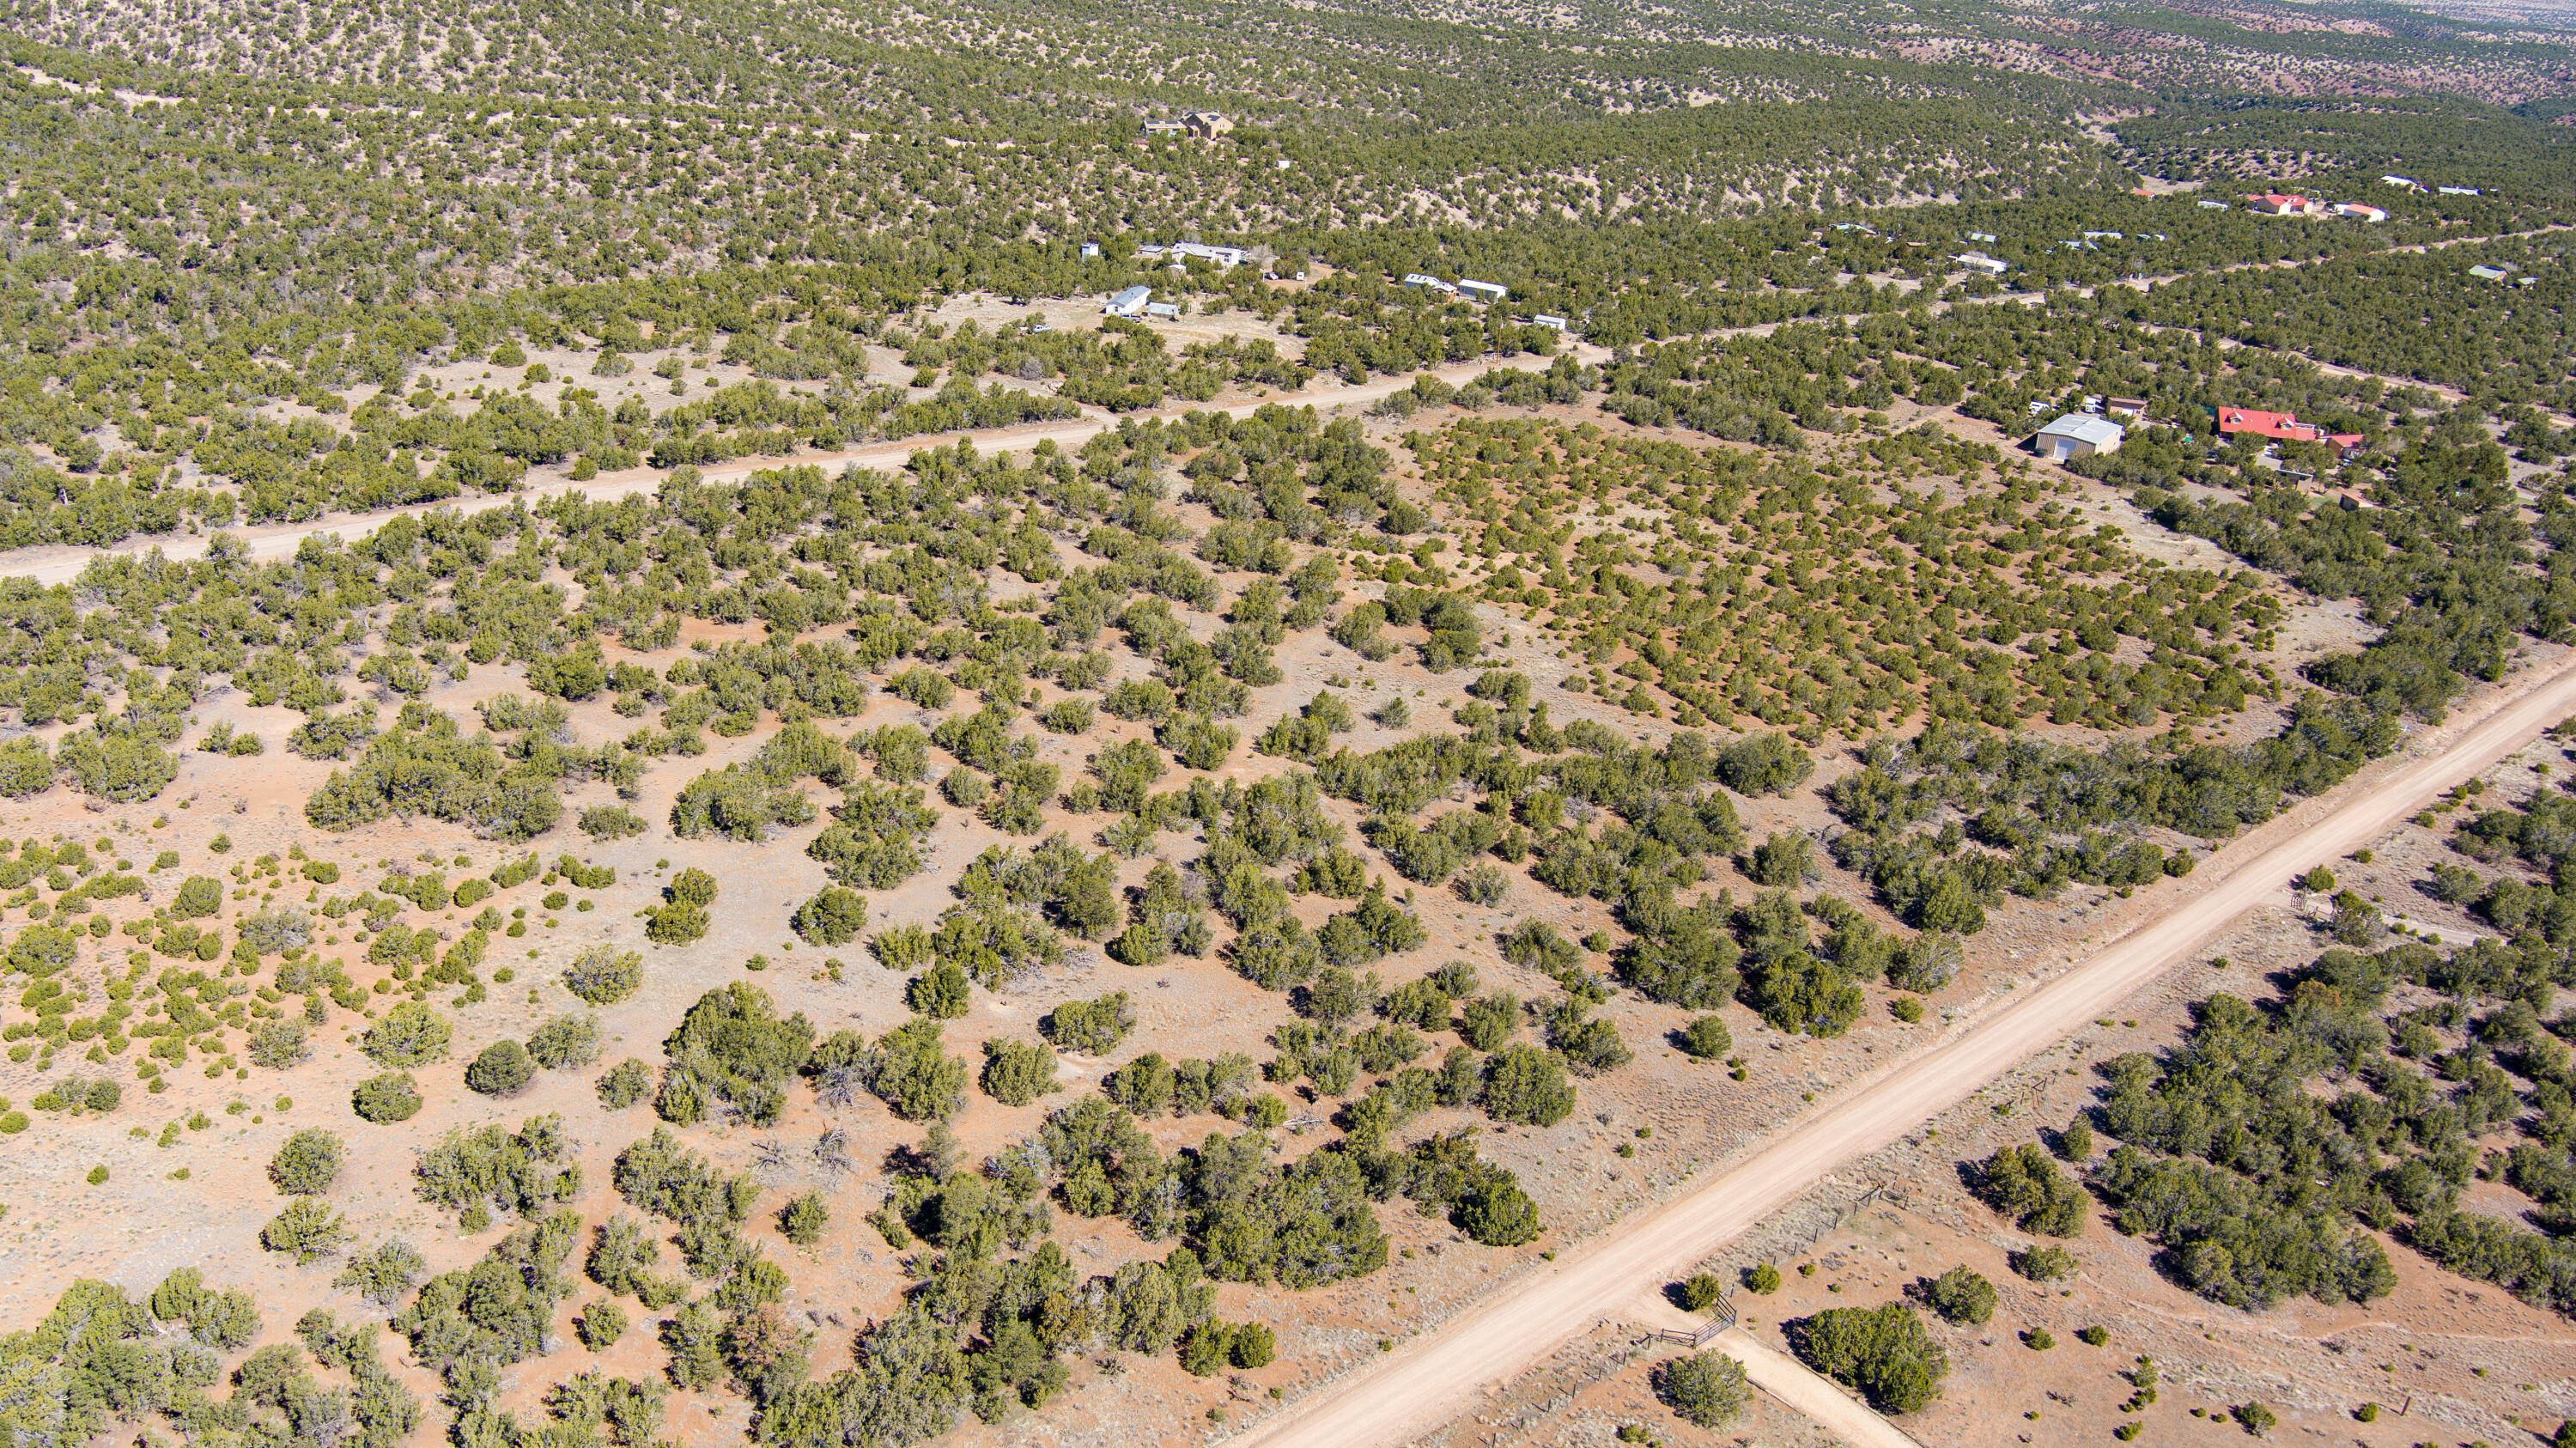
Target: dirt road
{"x": 1431, "y": 1380}
{"x": 279, "y": 540}
{"x": 1812, "y": 1395}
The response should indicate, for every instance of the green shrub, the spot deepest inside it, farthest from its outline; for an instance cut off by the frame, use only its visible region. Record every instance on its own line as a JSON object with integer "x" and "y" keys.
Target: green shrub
{"x": 1700, "y": 1291}
{"x": 272, "y": 931}
{"x": 2044, "y": 1263}
{"x": 1884, "y": 1352}
{"x": 1707, "y": 1038}
{"x": 410, "y": 1034}
{"x": 1706, "y": 1390}
{"x": 942, "y": 992}
{"x": 733, "y": 1047}
{"x": 307, "y": 1164}
{"x": 1526, "y": 1086}
{"x": 603, "y": 975}
{"x": 503, "y": 1069}
{"x": 198, "y": 897}
{"x": 611, "y": 822}
{"x": 383, "y": 1275}
{"x": 2024, "y": 1184}
{"x": 600, "y": 1325}
{"x": 307, "y": 1230}
{"x": 2256, "y": 1419}
{"x": 677, "y": 923}
{"x": 386, "y": 1099}
{"x": 624, "y": 1084}
{"x": 279, "y": 1045}
{"x": 804, "y": 1218}
{"x": 1093, "y": 1027}
{"x": 1763, "y": 764}
{"x": 834, "y": 916}
{"x": 529, "y": 1171}
{"x": 1017, "y": 1073}
{"x": 1762, "y": 1277}
{"x": 1251, "y": 1345}
{"x": 565, "y": 1043}
{"x": 1961, "y": 1296}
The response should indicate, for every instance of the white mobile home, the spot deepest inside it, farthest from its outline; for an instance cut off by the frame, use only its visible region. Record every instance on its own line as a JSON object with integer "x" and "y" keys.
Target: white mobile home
{"x": 1483, "y": 291}
{"x": 1128, "y": 303}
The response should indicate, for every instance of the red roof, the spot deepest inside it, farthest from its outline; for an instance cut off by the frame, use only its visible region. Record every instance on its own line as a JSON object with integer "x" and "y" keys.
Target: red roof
{"x": 2283, "y": 425}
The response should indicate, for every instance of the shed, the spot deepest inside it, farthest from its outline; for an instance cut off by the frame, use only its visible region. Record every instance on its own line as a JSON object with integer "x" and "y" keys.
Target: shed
{"x": 1162, "y": 309}
{"x": 2076, "y": 435}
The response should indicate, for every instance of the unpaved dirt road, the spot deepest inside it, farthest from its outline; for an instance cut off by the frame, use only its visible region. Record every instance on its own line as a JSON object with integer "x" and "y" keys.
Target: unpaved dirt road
{"x": 278, "y": 540}
{"x": 1431, "y": 1380}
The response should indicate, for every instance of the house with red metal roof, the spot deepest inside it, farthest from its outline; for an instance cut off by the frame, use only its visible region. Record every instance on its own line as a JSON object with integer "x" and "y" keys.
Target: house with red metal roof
{"x": 2284, "y": 426}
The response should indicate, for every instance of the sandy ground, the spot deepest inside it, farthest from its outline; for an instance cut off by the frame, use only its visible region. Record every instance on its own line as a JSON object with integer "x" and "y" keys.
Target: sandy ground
{"x": 138, "y": 1227}
{"x": 1430, "y": 1380}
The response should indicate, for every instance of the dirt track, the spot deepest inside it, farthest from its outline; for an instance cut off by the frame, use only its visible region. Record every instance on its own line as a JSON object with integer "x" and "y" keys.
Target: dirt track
{"x": 1434, "y": 1378}
{"x": 53, "y": 565}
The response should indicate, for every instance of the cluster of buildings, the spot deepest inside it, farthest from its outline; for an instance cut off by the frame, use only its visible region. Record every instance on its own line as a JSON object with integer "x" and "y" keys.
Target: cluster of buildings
{"x": 1203, "y": 125}
{"x": 1469, "y": 288}
{"x": 1138, "y": 301}
{"x": 2409, "y": 183}
{"x": 2275, "y": 203}
{"x": 2102, "y": 423}
{"x": 1181, "y": 251}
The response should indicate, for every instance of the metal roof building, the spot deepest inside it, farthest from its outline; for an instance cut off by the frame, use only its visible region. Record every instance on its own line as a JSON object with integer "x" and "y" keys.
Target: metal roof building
{"x": 2076, "y": 435}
